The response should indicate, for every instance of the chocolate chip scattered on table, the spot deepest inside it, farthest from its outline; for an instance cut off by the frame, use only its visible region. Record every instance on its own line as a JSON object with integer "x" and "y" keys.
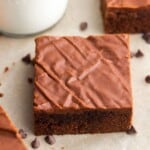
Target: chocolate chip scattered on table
{"x": 139, "y": 53}
{"x": 27, "y": 59}
{"x": 131, "y": 130}
{"x": 83, "y": 26}
{"x": 30, "y": 80}
{"x": 1, "y": 95}
{"x": 23, "y": 134}
{"x": 146, "y": 37}
{"x": 6, "y": 69}
{"x": 147, "y": 79}
{"x": 50, "y": 139}
{"x": 35, "y": 143}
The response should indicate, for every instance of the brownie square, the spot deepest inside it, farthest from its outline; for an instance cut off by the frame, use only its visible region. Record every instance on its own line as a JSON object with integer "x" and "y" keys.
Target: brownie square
{"x": 82, "y": 85}
{"x": 9, "y": 136}
{"x": 126, "y": 16}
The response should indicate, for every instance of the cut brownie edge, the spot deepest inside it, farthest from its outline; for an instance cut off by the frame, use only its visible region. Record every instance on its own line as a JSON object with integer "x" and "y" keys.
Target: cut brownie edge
{"x": 125, "y": 19}
{"x": 81, "y": 122}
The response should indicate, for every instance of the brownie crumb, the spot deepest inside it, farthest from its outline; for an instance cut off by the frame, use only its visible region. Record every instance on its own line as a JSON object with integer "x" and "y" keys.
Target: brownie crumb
{"x": 147, "y": 79}
{"x": 50, "y": 139}
{"x": 1, "y": 94}
{"x": 131, "y": 130}
{"x": 6, "y": 69}
{"x": 27, "y": 59}
{"x": 30, "y": 80}
{"x": 35, "y": 143}
{"x": 146, "y": 37}
{"x": 139, "y": 53}
{"x": 22, "y": 133}
{"x": 83, "y": 26}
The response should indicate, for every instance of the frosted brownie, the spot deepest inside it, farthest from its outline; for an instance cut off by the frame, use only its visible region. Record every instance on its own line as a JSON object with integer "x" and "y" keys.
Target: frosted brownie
{"x": 9, "y": 136}
{"x": 126, "y": 16}
{"x": 82, "y": 85}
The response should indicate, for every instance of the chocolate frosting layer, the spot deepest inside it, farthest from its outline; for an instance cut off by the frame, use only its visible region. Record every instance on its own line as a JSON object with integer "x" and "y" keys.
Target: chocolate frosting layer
{"x": 9, "y": 137}
{"x": 82, "y": 73}
{"x": 128, "y": 3}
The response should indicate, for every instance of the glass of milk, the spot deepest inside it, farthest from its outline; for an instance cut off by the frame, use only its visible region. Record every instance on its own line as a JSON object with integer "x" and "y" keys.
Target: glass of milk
{"x": 28, "y": 17}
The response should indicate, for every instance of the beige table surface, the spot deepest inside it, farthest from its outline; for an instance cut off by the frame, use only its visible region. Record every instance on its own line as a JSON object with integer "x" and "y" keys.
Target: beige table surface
{"x": 17, "y": 91}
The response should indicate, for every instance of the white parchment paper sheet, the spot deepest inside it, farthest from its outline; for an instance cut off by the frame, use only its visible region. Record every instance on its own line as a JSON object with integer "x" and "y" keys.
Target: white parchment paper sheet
{"x": 17, "y": 91}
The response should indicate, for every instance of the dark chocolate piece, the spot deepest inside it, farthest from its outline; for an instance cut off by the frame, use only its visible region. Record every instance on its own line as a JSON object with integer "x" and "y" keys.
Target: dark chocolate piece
{"x": 35, "y": 143}
{"x": 23, "y": 134}
{"x": 126, "y": 16}
{"x": 131, "y": 130}
{"x": 81, "y": 86}
{"x": 30, "y": 80}
{"x": 146, "y": 37}
{"x": 139, "y": 53}
{"x": 27, "y": 59}
{"x": 50, "y": 139}
{"x": 9, "y": 136}
{"x": 83, "y": 26}
{"x": 6, "y": 69}
{"x": 1, "y": 94}
{"x": 147, "y": 79}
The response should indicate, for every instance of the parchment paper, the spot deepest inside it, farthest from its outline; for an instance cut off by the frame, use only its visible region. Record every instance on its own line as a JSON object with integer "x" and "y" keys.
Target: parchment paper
{"x": 17, "y": 91}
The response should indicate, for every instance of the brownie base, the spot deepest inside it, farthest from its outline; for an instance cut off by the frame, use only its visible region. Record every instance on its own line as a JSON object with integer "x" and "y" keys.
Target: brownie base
{"x": 125, "y": 20}
{"x": 89, "y": 121}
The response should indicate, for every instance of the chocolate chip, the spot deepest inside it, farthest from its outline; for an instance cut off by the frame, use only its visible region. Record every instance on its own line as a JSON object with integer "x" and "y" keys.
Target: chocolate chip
{"x": 83, "y": 26}
{"x": 23, "y": 134}
{"x": 139, "y": 53}
{"x": 50, "y": 139}
{"x": 1, "y": 94}
{"x": 147, "y": 79}
{"x": 6, "y": 69}
{"x": 30, "y": 80}
{"x": 131, "y": 130}
{"x": 146, "y": 37}
{"x": 27, "y": 59}
{"x": 35, "y": 143}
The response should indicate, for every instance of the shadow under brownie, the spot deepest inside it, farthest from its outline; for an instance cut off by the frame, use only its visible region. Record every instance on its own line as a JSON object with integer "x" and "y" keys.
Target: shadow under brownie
{"x": 82, "y": 85}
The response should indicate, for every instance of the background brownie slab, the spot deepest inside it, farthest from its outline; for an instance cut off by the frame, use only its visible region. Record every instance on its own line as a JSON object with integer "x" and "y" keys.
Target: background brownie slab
{"x": 126, "y": 16}
{"x": 9, "y": 136}
{"x": 82, "y": 85}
